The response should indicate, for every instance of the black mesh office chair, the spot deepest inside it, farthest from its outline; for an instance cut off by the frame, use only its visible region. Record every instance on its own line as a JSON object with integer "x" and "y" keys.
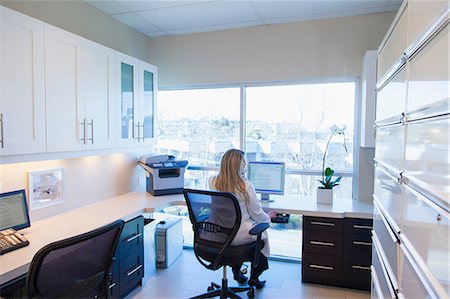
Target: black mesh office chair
{"x": 215, "y": 218}
{"x": 76, "y": 267}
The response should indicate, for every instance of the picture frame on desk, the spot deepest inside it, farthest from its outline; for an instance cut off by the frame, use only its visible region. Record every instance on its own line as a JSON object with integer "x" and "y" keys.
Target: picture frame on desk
{"x": 45, "y": 188}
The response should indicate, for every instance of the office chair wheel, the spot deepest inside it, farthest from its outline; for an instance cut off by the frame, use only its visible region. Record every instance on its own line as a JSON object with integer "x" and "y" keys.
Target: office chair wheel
{"x": 251, "y": 293}
{"x": 210, "y": 288}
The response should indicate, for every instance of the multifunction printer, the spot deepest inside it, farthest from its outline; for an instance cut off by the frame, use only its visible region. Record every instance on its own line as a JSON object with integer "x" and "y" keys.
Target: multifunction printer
{"x": 164, "y": 174}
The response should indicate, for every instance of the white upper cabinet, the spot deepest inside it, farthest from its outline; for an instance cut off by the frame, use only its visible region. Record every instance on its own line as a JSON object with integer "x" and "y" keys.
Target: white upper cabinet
{"x": 98, "y": 77}
{"x": 80, "y": 95}
{"x": 147, "y": 102}
{"x": 65, "y": 99}
{"x": 22, "y": 93}
{"x": 136, "y": 98}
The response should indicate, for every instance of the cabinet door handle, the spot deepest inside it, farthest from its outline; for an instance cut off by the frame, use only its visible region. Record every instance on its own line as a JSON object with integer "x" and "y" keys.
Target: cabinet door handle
{"x": 2, "y": 141}
{"x": 133, "y": 237}
{"x": 362, "y": 243}
{"x": 322, "y": 223}
{"x": 321, "y": 243}
{"x": 362, "y": 226}
{"x": 83, "y": 123}
{"x": 321, "y": 267}
{"x": 113, "y": 285}
{"x": 134, "y": 270}
{"x": 143, "y": 137}
{"x": 92, "y": 130}
{"x": 360, "y": 267}
{"x": 138, "y": 126}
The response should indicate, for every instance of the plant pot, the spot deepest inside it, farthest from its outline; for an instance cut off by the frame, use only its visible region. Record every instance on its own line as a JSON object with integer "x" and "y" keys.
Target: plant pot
{"x": 325, "y": 196}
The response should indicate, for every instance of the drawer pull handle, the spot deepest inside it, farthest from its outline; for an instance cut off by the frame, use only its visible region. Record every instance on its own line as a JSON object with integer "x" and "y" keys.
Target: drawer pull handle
{"x": 134, "y": 270}
{"x": 362, "y": 226}
{"x": 322, "y": 223}
{"x": 134, "y": 237}
{"x": 362, "y": 243}
{"x": 361, "y": 267}
{"x": 321, "y": 267}
{"x": 321, "y": 243}
{"x": 113, "y": 285}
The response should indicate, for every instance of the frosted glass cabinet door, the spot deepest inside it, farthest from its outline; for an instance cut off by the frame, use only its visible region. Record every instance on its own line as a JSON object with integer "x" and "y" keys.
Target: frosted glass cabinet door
{"x": 395, "y": 45}
{"x": 127, "y": 99}
{"x": 22, "y": 90}
{"x": 391, "y": 99}
{"x": 426, "y": 229}
{"x": 422, "y": 14}
{"x": 429, "y": 76}
{"x": 427, "y": 154}
{"x": 147, "y": 102}
{"x": 389, "y": 145}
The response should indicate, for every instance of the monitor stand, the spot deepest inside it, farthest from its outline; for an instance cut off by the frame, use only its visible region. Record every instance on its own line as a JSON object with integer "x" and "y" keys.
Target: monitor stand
{"x": 266, "y": 198}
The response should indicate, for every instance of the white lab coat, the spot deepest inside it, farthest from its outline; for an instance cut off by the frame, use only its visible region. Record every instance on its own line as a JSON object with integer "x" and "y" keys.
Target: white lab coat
{"x": 252, "y": 214}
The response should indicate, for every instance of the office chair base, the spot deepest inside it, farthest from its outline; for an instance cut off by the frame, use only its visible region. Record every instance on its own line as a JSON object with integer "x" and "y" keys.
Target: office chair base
{"x": 226, "y": 292}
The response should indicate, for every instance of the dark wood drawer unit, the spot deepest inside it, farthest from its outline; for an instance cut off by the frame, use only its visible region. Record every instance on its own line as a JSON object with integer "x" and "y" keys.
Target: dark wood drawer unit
{"x": 128, "y": 266}
{"x": 337, "y": 251}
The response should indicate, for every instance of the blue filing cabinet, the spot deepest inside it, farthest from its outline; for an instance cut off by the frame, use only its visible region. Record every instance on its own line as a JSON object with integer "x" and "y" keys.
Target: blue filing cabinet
{"x": 128, "y": 266}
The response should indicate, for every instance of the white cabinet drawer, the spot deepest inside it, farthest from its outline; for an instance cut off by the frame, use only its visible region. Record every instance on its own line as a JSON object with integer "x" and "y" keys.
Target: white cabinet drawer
{"x": 380, "y": 276}
{"x": 391, "y": 99}
{"x": 388, "y": 238}
{"x": 414, "y": 282}
{"x": 425, "y": 228}
{"x": 395, "y": 43}
{"x": 428, "y": 81}
{"x": 427, "y": 154}
{"x": 390, "y": 145}
{"x": 421, "y": 14}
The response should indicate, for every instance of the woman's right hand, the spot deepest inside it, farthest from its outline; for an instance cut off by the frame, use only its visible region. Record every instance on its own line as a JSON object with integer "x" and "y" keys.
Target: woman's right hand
{"x": 272, "y": 213}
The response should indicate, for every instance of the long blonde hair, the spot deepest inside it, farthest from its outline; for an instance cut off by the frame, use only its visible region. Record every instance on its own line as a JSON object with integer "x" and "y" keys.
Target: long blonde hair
{"x": 230, "y": 178}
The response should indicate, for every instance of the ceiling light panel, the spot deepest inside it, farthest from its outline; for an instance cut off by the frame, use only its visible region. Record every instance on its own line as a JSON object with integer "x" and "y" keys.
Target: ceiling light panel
{"x": 201, "y": 15}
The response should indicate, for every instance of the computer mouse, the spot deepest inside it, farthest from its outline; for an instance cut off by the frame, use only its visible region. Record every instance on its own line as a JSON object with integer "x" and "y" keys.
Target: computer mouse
{"x": 162, "y": 222}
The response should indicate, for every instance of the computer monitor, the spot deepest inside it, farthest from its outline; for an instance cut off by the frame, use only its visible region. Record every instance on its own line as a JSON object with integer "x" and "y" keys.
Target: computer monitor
{"x": 14, "y": 210}
{"x": 267, "y": 178}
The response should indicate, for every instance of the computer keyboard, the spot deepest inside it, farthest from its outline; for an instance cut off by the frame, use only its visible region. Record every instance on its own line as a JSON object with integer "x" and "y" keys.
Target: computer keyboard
{"x": 11, "y": 240}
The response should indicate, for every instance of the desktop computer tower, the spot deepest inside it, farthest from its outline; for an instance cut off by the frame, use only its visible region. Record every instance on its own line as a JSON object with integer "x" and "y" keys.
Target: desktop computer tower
{"x": 169, "y": 241}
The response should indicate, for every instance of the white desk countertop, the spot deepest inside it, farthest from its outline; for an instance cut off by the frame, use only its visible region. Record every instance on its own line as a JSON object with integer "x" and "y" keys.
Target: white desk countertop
{"x": 16, "y": 263}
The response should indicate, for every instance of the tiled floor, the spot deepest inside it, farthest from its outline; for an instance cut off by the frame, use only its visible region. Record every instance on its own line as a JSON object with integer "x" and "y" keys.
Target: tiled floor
{"x": 187, "y": 278}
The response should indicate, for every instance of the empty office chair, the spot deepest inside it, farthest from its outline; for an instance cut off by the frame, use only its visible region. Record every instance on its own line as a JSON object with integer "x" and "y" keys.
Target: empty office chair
{"x": 216, "y": 218}
{"x": 76, "y": 267}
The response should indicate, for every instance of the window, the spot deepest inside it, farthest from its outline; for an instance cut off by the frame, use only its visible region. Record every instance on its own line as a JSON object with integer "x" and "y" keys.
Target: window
{"x": 291, "y": 123}
{"x": 288, "y": 123}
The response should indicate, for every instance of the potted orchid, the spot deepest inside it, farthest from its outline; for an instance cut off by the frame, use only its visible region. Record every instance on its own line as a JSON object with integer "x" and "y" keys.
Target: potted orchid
{"x": 325, "y": 192}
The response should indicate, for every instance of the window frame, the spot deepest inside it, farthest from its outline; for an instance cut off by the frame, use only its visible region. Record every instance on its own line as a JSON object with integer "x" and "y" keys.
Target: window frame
{"x": 243, "y": 119}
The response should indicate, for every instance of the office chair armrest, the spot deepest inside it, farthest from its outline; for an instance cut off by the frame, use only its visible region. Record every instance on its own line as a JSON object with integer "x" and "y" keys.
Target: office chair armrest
{"x": 259, "y": 228}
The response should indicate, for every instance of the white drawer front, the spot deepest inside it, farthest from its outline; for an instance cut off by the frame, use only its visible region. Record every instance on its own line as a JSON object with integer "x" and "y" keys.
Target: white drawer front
{"x": 380, "y": 276}
{"x": 388, "y": 193}
{"x": 427, "y": 154}
{"x": 414, "y": 282}
{"x": 391, "y": 99}
{"x": 390, "y": 145}
{"x": 426, "y": 228}
{"x": 428, "y": 80}
{"x": 389, "y": 240}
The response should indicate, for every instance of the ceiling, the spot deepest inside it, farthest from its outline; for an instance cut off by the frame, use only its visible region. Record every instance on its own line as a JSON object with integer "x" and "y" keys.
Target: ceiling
{"x": 170, "y": 17}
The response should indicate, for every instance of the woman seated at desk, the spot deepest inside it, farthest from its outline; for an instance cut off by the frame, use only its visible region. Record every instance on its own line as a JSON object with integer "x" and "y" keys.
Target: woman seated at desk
{"x": 231, "y": 178}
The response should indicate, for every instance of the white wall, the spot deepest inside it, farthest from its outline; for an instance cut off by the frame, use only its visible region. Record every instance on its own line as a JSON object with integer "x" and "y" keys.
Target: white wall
{"x": 86, "y": 180}
{"x": 311, "y": 49}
